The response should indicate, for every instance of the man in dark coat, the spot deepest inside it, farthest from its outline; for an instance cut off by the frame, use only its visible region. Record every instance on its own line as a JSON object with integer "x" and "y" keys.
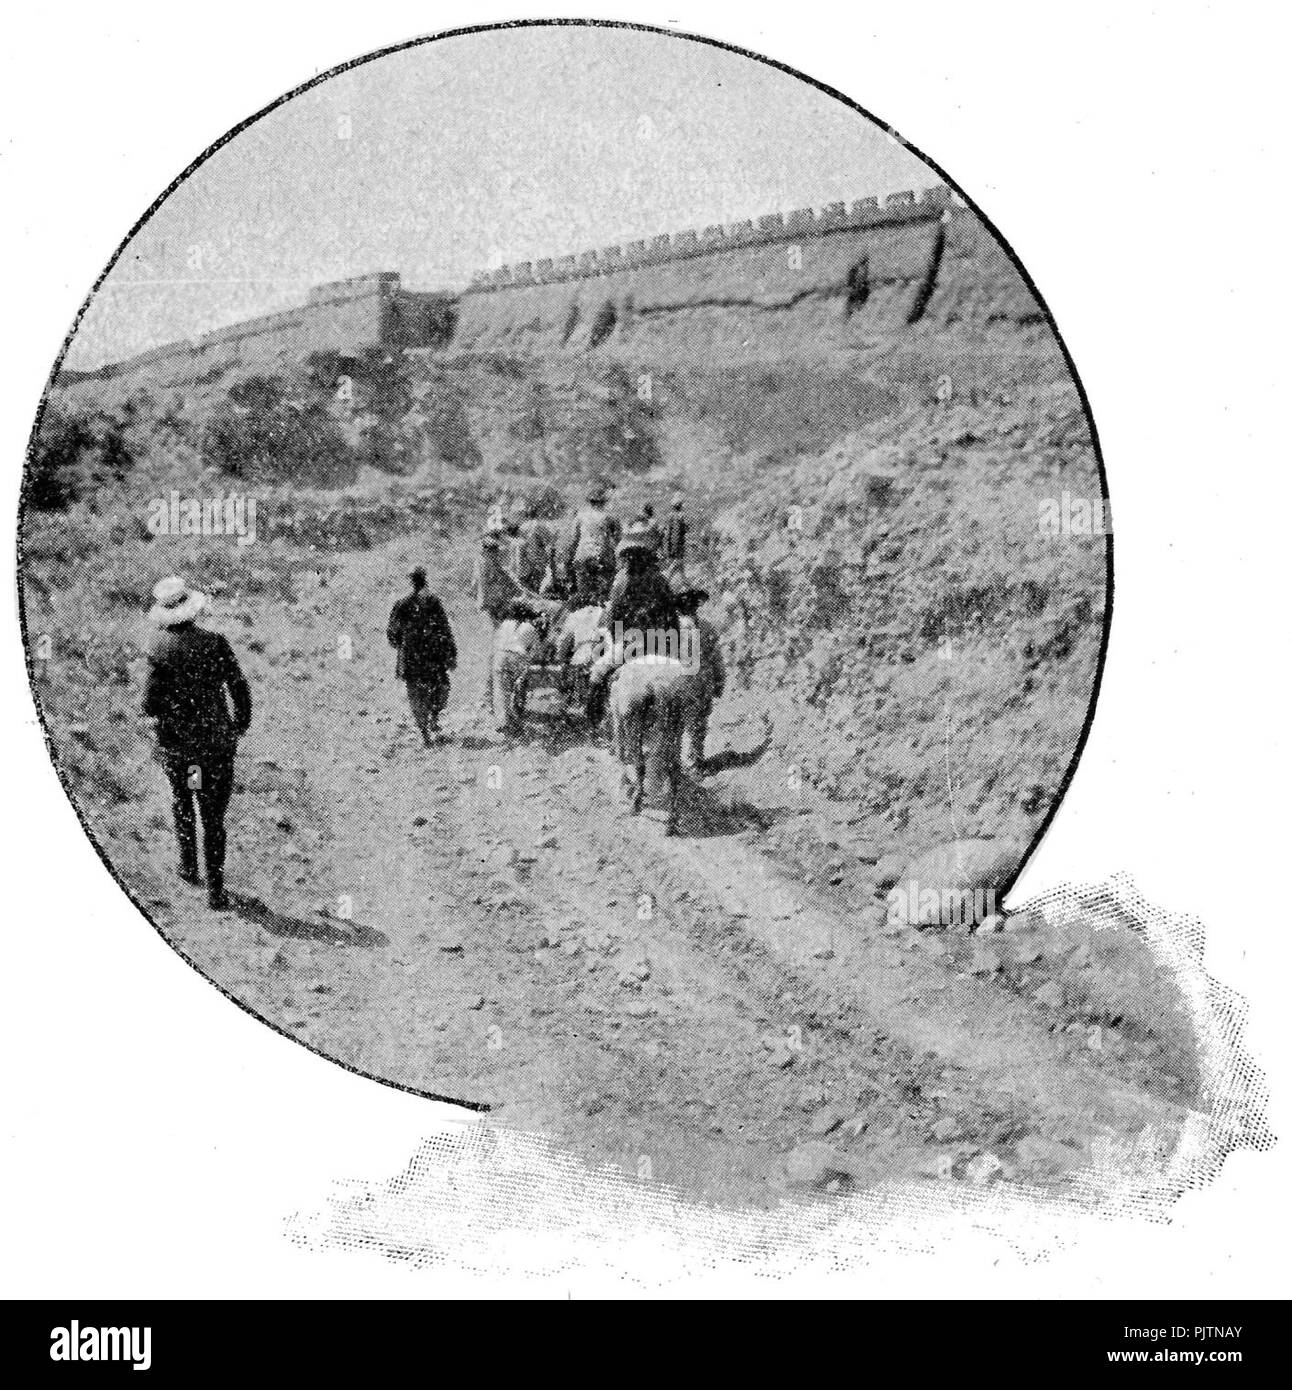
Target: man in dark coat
{"x": 200, "y": 703}
{"x": 419, "y": 631}
{"x": 640, "y": 615}
{"x": 704, "y": 649}
{"x": 640, "y": 599}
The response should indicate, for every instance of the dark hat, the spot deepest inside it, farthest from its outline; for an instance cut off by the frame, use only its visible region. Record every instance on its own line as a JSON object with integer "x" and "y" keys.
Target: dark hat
{"x": 417, "y": 574}
{"x": 692, "y": 596}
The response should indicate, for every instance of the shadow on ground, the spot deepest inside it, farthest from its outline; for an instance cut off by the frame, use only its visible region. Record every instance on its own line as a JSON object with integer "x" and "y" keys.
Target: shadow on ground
{"x": 280, "y": 924}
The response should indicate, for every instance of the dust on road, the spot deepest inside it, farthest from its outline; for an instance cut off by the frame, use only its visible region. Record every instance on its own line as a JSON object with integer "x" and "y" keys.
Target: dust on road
{"x": 484, "y": 920}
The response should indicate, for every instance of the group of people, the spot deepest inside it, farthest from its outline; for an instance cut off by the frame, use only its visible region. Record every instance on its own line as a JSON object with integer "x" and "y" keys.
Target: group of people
{"x": 546, "y": 589}
{"x": 574, "y": 561}
{"x": 573, "y": 590}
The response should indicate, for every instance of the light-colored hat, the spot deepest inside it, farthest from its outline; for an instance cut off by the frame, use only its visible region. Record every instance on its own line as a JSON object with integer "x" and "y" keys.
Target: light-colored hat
{"x": 174, "y": 602}
{"x": 638, "y": 537}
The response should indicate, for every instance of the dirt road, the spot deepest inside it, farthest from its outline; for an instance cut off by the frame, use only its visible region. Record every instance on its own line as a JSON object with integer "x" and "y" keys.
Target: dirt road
{"x": 484, "y": 921}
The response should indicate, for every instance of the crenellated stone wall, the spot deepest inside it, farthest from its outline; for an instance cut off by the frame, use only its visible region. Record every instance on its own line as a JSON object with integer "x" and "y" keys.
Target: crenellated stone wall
{"x": 772, "y": 227}
{"x": 343, "y": 316}
{"x": 783, "y": 285}
{"x": 845, "y": 275}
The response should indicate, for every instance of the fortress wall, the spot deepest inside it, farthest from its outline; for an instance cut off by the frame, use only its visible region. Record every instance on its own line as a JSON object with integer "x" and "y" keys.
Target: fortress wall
{"x": 714, "y": 299}
{"x": 345, "y": 317}
{"x": 756, "y": 289}
{"x": 977, "y": 284}
{"x": 781, "y": 285}
{"x": 418, "y": 318}
{"x": 343, "y": 323}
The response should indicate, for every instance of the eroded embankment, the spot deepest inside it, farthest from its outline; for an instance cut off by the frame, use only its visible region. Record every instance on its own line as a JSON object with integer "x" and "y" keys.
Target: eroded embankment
{"x": 851, "y": 289}
{"x": 513, "y": 938}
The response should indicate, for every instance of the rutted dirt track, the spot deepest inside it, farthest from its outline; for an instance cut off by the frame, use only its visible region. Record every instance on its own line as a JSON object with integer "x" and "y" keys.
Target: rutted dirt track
{"x": 484, "y": 920}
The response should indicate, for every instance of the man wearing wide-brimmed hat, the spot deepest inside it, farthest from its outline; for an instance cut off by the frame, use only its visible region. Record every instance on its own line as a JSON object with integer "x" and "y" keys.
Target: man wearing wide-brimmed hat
{"x": 702, "y": 645}
{"x": 590, "y": 546}
{"x": 420, "y": 633}
{"x": 640, "y": 596}
{"x": 200, "y": 703}
{"x": 640, "y": 611}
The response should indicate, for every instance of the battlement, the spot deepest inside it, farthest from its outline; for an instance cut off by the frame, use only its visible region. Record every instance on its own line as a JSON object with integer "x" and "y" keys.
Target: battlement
{"x": 378, "y": 282}
{"x": 344, "y": 316}
{"x": 348, "y": 316}
{"x": 796, "y": 225}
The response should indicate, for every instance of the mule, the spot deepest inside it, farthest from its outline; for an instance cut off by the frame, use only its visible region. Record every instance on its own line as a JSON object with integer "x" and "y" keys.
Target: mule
{"x": 654, "y": 694}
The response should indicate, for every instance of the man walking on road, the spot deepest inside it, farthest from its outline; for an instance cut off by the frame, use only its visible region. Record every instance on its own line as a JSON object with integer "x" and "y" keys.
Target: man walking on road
{"x": 200, "y": 703}
{"x": 420, "y": 633}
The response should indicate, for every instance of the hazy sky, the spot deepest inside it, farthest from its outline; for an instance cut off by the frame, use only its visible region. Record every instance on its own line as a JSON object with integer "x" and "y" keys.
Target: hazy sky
{"x": 501, "y": 146}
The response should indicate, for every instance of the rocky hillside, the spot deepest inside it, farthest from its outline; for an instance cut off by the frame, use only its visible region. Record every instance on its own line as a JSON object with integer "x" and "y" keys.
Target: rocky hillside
{"x": 926, "y": 650}
{"x": 868, "y": 438}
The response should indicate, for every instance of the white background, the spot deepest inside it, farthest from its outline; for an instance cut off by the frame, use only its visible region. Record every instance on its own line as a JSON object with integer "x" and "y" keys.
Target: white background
{"x": 154, "y": 1136}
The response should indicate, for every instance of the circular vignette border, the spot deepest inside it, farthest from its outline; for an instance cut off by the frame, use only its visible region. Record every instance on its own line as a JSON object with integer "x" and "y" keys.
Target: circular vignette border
{"x": 1070, "y": 771}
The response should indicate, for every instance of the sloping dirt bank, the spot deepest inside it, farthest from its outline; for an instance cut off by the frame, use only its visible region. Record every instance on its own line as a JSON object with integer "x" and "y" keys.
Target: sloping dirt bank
{"x": 484, "y": 921}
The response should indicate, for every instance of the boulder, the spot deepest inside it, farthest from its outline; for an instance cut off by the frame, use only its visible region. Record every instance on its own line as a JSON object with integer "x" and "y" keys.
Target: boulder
{"x": 889, "y": 869}
{"x": 946, "y": 1129}
{"x": 825, "y": 1121}
{"x": 982, "y": 1168}
{"x": 986, "y": 960}
{"x": 956, "y": 884}
{"x": 1049, "y": 995}
{"x": 814, "y": 1162}
{"x": 1044, "y": 1158}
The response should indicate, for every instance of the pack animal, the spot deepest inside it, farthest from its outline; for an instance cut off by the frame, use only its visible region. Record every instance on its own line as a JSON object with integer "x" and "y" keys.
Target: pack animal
{"x": 652, "y": 697}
